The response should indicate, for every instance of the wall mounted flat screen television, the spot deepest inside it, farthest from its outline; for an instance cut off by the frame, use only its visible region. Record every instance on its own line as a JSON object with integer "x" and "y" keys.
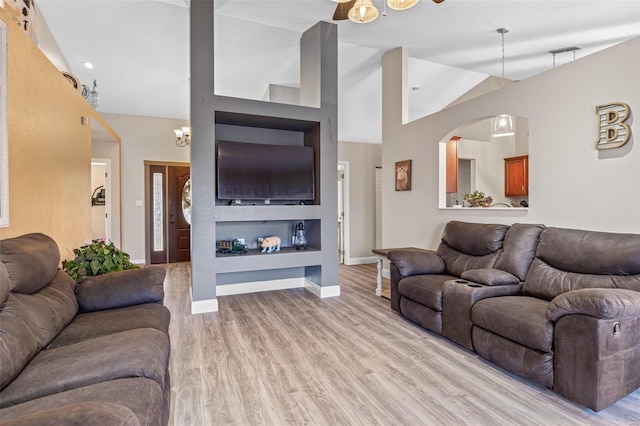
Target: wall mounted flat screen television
{"x": 249, "y": 171}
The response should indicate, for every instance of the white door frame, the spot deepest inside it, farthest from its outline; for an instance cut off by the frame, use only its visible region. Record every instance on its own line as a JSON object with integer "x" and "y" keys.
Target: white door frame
{"x": 106, "y": 162}
{"x": 345, "y": 219}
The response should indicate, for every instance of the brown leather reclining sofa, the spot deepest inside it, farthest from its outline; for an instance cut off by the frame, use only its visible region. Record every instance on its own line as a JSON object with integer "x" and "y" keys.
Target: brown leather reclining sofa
{"x": 558, "y": 306}
{"x": 93, "y": 353}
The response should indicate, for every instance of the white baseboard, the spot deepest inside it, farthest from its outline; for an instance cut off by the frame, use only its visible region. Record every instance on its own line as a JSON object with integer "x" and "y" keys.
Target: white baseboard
{"x": 204, "y": 306}
{"x": 360, "y": 260}
{"x": 322, "y": 292}
{"x": 257, "y": 286}
{"x": 138, "y": 262}
{"x": 211, "y": 305}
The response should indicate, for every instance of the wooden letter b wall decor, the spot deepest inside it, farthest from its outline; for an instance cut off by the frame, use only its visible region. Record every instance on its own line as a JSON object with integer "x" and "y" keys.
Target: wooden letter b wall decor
{"x": 612, "y": 132}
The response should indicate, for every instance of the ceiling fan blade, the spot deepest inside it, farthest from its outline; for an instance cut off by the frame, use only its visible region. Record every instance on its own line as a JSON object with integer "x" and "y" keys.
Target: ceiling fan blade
{"x": 342, "y": 10}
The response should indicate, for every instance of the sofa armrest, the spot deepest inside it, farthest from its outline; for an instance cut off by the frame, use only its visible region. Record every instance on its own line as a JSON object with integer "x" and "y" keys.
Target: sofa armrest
{"x": 602, "y": 303}
{"x": 414, "y": 262}
{"x": 120, "y": 289}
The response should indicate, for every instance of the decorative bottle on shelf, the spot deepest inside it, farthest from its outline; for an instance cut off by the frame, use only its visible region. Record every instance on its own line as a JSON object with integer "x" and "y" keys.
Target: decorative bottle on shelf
{"x": 300, "y": 240}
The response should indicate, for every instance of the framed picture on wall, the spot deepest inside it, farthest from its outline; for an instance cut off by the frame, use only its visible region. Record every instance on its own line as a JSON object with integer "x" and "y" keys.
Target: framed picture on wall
{"x": 4, "y": 137}
{"x": 403, "y": 175}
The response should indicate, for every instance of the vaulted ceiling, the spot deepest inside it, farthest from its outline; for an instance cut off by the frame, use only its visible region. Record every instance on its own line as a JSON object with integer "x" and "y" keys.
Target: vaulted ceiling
{"x": 140, "y": 48}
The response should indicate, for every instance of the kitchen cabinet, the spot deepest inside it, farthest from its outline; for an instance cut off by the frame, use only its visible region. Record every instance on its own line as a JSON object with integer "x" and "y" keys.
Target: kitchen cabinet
{"x": 516, "y": 176}
{"x": 452, "y": 164}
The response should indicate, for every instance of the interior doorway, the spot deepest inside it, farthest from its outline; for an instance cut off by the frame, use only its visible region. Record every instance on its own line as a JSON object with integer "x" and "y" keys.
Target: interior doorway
{"x": 378, "y": 207}
{"x": 343, "y": 210}
{"x": 168, "y": 226}
{"x": 100, "y": 198}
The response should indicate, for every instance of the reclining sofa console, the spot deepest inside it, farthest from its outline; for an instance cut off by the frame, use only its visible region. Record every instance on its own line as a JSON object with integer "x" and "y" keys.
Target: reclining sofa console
{"x": 558, "y": 306}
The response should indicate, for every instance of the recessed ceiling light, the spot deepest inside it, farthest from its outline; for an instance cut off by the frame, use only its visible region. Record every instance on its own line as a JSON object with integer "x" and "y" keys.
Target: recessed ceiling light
{"x": 87, "y": 64}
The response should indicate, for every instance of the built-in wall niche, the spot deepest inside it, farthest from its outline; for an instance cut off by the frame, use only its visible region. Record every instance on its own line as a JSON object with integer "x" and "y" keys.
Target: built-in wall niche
{"x": 473, "y": 159}
{"x": 295, "y": 157}
{"x": 250, "y": 231}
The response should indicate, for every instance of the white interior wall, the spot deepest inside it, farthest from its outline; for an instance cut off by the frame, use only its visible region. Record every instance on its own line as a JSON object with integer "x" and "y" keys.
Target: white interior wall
{"x": 571, "y": 184}
{"x": 143, "y": 138}
{"x": 433, "y": 86}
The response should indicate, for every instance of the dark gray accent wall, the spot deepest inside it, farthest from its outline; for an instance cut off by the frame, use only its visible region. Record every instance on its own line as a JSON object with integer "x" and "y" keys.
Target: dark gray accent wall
{"x": 312, "y": 123}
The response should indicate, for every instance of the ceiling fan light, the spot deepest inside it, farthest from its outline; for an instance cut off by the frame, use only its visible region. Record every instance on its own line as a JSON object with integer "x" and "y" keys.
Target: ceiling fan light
{"x": 503, "y": 126}
{"x": 401, "y": 4}
{"x": 363, "y": 11}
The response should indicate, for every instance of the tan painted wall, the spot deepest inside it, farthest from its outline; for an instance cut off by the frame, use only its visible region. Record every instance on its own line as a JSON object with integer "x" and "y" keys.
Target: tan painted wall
{"x": 363, "y": 159}
{"x": 571, "y": 184}
{"x": 49, "y": 148}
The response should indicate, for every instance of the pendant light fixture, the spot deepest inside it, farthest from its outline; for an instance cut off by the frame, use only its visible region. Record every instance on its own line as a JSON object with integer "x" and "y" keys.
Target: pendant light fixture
{"x": 363, "y": 11}
{"x": 504, "y": 123}
{"x": 401, "y": 4}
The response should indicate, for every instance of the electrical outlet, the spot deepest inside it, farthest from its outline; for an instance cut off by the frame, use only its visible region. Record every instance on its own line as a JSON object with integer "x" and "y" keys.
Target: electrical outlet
{"x": 267, "y": 201}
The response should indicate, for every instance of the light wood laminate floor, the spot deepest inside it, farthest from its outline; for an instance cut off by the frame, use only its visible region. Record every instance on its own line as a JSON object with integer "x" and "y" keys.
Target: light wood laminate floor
{"x": 289, "y": 358}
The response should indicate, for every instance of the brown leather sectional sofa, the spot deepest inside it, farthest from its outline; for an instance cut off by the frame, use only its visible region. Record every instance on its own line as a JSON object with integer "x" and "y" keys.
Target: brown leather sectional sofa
{"x": 558, "y": 306}
{"x": 93, "y": 353}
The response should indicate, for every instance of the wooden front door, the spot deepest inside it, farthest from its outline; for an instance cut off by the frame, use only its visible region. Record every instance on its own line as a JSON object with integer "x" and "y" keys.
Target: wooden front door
{"x": 179, "y": 228}
{"x": 168, "y": 231}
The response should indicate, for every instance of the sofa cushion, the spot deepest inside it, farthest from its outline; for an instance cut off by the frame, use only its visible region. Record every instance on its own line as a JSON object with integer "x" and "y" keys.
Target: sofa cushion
{"x": 457, "y": 262}
{"x": 475, "y": 239}
{"x": 490, "y": 277}
{"x": 102, "y": 323}
{"x": 519, "y": 249}
{"x": 123, "y": 288}
{"x": 134, "y": 353}
{"x": 518, "y": 318}
{"x": 142, "y": 396}
{"x": 30, "y": 321}
{"x": 547, "y": 282}
{"x": 571, "y": 259}
{"x": 31, "y": 261}
{"x": 590, "y": 252}
{"x": 424, "y": 289}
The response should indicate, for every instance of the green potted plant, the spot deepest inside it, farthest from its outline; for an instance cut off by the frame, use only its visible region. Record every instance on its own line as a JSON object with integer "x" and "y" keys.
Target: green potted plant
{"x": 96, "y": 258}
